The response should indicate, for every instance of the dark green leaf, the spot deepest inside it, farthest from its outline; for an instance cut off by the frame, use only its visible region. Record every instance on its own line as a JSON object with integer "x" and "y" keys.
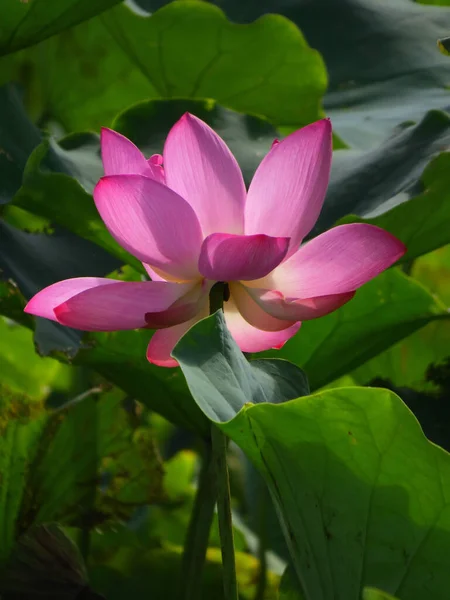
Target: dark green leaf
{"x": 18, "y": 139}
{"x": 381, "y": 58}
{"x": 26, "y": 22}
{"x": 45, "y": 563}
{"x": 36, "y": 260}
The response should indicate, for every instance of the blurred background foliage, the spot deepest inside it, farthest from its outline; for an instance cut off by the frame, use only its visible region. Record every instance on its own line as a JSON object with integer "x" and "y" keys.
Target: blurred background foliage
{"x": 92, "y": 436}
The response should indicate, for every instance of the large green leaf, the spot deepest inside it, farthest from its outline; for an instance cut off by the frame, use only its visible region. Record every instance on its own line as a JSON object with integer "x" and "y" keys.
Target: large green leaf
{"x": 381, "y": 57}
{"x": 188, "y": 49}
{"x": 402, "y": 186}
{"x": 25, "y": 23}
{"x": 362, "y": 496}
{"x": 384, "y": 311}
{"x": 351, "y": 468}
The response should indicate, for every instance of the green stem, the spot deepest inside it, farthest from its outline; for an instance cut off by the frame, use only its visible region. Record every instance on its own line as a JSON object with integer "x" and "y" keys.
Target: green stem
{"x": 219, "y": 448}
{"x": 196, "y": 543}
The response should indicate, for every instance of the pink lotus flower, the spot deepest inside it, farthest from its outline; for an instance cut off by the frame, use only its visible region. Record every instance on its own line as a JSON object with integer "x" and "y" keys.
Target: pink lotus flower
{"x": 188, "y": 218}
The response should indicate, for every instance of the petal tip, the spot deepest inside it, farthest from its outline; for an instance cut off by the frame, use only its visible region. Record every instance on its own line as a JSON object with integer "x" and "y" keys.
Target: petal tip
{"x": 167, "y": 362}
{"x": 107, "y": 134}
{"x": 35, "y": 307}
{"x": 402, "y": 248}
{"x": 397, "y": 247}
{"x": 29, "y": 307}
{"x": 324, "y": 124}
{"x": 100, "y": 185}
{"x": 186, "y": 118}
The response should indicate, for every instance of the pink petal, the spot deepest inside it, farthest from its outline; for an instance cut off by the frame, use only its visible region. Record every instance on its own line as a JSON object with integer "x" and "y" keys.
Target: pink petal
{"x": 152, "y": 222}
{"x": 45, "y": 301}
{"x": 154, "y": 276}
{"x": 253, "y": 313}
{"x": 287, "y": 191}
{"x": 164, "y": 341}
{"x": 123, "y": 305}
{"x": 200, "y": 167}
{"x": 336, "y": 262}
{"x": 250, "y": 339}
{"x": 274, "y": 303}
{"x": 121, "y": 157}
{"x": 228, "y": 257}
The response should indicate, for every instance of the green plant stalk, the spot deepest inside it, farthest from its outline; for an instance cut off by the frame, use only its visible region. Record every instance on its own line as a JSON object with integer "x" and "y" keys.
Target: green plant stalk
{"x": 196, "y": 543}
{"x": 217, "y": 295}
{"x": 219, "y": 450}
{"x": 214, "y": 470}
